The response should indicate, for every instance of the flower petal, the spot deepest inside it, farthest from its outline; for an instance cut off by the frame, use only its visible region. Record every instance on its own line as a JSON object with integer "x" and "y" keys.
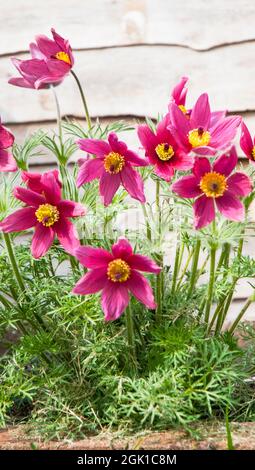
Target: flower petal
{"x": 116, "y": 145}
{"x": 67, "y": 235}
{"x": 180, "y": 123}
{"x": 246, "y": 143}
{"x": 51, "y": 188}
{"x": 134, "y": 159}
{"x": 6, "y": 137}
{"x": 179, "y": 92}
{"x": 225, "y": 164}
{"x": 164, "y": 170}
{"x": 231, "y": 207}
{"x": 204, "y": 211}
{"x": 187, "y": 186}
{"x": 240, "y": 184}
{"x": 42, "y": 240}
{"x": 71, "y": 208}
{"x": 108, "y": 186}
{"x": 147, "y": 138}
{"x": 7, "y": 162}
{"x": 115, "y": 299}
{"x": 201, "y": 166}
{"x": 90, "y": 170}
{"x": 31, "y": 198}
{"x": 122, "y": 249}
{"x": 201, "y": 113}
{"x": 93, "y": 257}
{"x": 91, "y": 282}
{"x": 140, "y": 287}
{"x": 224, "y": 132}
{"x": 132, "y": 182}
{"x": 95, "y": 146}
{"x": 143, "y": 263}
{"x": 22, "y": 219}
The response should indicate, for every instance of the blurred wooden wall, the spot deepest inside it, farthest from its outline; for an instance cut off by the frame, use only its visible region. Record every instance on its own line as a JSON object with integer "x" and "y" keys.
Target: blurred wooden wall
{"x": 128, "y": 55}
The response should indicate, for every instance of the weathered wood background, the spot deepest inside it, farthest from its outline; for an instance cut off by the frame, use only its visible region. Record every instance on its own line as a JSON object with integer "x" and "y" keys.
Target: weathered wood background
{"x": 128, "y": 55}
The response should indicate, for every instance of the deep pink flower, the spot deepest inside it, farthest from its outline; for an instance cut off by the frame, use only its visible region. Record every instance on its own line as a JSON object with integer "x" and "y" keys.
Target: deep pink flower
{"x": 204, "y": 132}
{"x": 212, "y": 185}
{"x": 51, "y": 61}
{"x": 116, "y": 273}
{"x": 162, "y": 150}
{"x": 179, "y": 94}
{"x": 48, "y": 213}
{"x": 247, "y": 144}
{"x": 7, "y": 162}
{"x": 113, "y": 166}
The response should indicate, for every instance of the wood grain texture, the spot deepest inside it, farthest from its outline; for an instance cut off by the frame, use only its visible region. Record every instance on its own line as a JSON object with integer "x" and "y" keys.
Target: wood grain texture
{"x": 104, "y": 23}
{"x": 137, "y": 81}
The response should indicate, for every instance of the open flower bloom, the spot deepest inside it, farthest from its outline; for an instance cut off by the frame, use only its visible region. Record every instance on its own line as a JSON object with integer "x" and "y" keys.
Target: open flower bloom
{"x": 116, "y": 273}
{"x": 52, "y": 59}
{"x": 204, "y": 132}
{"x": 113, "y": 166}
{"x": 162, "y": 150}
{"x": 48, "y": 214}
{"x": 7, "y": 162}
{"x": 247, "y": 144}
{"x": 214, "y": 186}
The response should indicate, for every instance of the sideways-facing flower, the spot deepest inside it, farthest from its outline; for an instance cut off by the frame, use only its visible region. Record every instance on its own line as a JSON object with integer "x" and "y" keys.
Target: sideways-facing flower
{"x": 7, "y": 162}
{"x": 179, "y": 94}
{"x": 162, "y": 150}
{"x": 204, "y": 132}
{"x": 113, "y": 166}
{"x": 213, "y": 186}
{"x": 247, "y": 144}
{"x": 116, "y": 273}
{"x": 52, "y": 60}
{"x": 48, "y": 213}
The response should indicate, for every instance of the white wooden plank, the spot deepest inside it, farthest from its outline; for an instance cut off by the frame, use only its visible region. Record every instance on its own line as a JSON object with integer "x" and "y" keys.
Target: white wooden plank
{"x": 101, "y": 23}
{"x": 137, "y": 81}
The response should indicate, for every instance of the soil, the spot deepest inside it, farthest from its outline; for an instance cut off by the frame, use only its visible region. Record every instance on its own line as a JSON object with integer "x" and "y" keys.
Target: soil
{"x": 207, "y": 437}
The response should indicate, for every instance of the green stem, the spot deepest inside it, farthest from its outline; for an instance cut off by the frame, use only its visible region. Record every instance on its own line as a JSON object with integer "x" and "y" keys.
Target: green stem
{"x": 13, "y": 262}
{"x": 211, "y": 284}
{"x": 146, "y": 218}
{"x": 83, "y": 100}
{"x": 194, "y": 267}
{"x": 185, "y": 269}
{"x": 131, "y": 336}
{"x": 60, "y": 131}
{"x": 241, "y": 314}
{"x": 176, "y": 268}
{"x": 159, "y": 281}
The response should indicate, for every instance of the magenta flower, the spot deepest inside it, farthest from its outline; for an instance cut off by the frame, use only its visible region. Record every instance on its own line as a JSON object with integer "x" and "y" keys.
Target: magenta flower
{"x": 116, "y": 274}
{"x": 162, "y": 150}
{"x": 213, "y": 186}
{"x": 204, "y": 132}
{"x": 113, "y": 166}
{"x": 179, "y": 94}
{"x": 247, "y": 144}
{"x": 7, "y": 162}
{"x": 51, "y": 61}
{"x": 48, "y": 213}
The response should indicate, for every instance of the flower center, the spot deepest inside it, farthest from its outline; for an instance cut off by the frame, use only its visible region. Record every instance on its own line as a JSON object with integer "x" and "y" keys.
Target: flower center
{"x": 164, "y": 152}
{"x": 114, "y": 162}
{"x": 63, "y": 56}
{"x": 253, "y": 153}
{"x": 118, "y": 271}
{"x": 213, "y": 184}
{"x": 47, "y": 214}
{"x": 199, "y": 137}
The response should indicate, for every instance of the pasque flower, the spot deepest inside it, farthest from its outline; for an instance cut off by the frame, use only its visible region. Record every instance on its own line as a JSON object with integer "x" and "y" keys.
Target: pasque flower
{"x": 113, "y": 165}
{"x": 52, "y": 59}
{"x": 247, "y": 144}
{"x": 116, "y": 273}
{"x": 7, "y": 162}
{"x": 179, "y": 94}
{"x": 203, "y": 132}
{"x": 48, "y": 213}
{"x": 213, "y": 186}
{"x": 162, "y": 150}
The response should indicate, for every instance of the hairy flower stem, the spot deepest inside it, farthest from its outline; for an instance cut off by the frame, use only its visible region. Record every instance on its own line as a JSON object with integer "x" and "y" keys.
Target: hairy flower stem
{"x": 15, "y": 268}
{"x": 210, "y": 285}
{"x": 194, "y": 267}
{"x": 60, "y": 132}
{"x": 146, "y": 218}
{"x": 176, "y": 268}
{"x": 83, "y": 100}
{"x": 160, "y": 277}
{"x": 241, "y": 314}
{"x": 131, "y": 338}
{"x": 185, "y": 269}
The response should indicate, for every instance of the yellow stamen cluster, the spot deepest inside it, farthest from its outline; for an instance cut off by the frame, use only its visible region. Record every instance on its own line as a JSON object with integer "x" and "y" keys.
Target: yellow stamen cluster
{"x": 63, "y": 56}
{"x": 164, "y": 152}
{"x": 213, "y": 184}
{"x": 199, "y": 137}
{"x": 118, "y": 270}
{"x": 253, "y": 153}
{"x": 114, "y": 163}
{"x": 47, "y": 214}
